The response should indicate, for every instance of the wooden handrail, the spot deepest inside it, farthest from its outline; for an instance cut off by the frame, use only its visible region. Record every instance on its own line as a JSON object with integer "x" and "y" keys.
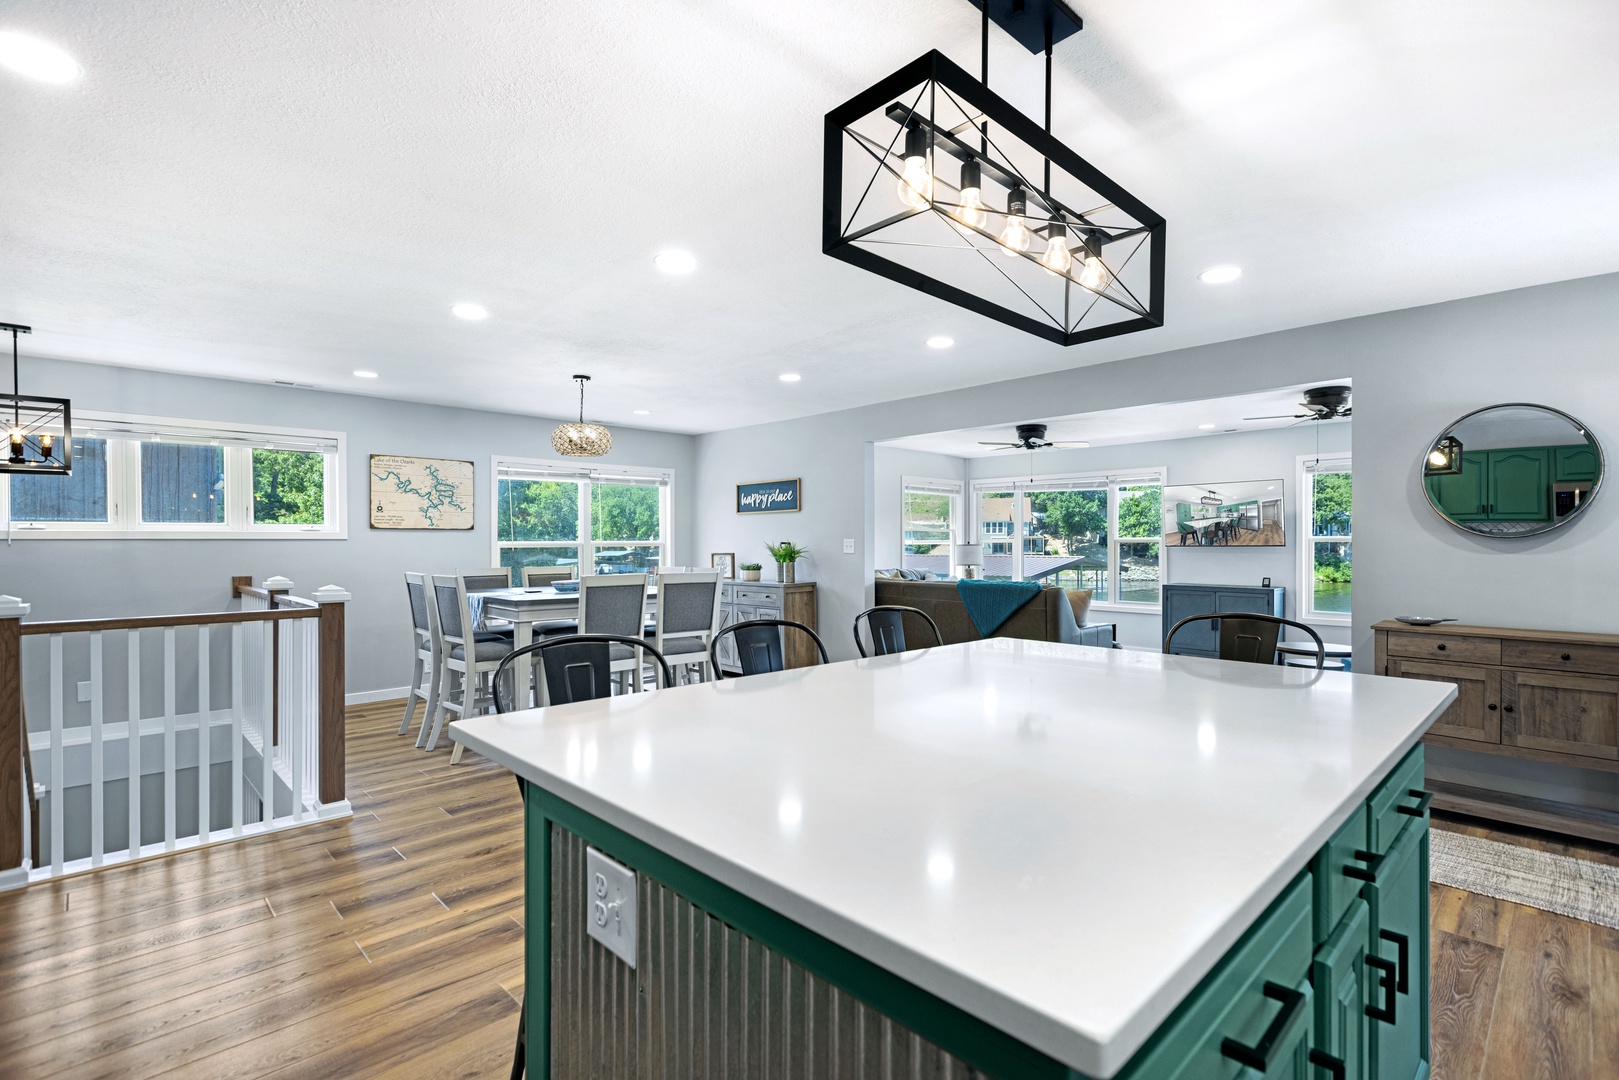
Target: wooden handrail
{"x": 202, "y": 618}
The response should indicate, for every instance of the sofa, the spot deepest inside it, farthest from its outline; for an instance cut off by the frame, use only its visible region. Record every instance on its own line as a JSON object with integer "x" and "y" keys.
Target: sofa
{"x": 1047, "y": 617}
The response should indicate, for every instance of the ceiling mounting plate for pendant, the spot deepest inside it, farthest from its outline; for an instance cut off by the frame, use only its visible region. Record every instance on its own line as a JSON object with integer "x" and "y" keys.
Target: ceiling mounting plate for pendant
{"x": 1027, "y": 20}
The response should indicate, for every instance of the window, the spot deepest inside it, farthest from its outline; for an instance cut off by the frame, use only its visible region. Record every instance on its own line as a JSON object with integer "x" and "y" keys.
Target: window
{"x": 930, "y": 512}
{"x": 1327, "y": 559}
{"x": 1080, "y": 532}
{"x": 556, "y": 514}
{"x": 153, "y": 477}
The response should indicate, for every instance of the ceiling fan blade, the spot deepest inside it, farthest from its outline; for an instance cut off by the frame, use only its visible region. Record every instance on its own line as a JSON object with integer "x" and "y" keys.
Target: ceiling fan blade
{"x": 1286, "y": 416}
{"x": 997, "y": 444}
{"x": 1070, "y": 445}
{"x": 1008, "y": 446}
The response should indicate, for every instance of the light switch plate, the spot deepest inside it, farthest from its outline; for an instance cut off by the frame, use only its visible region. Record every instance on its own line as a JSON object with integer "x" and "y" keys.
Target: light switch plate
{"x": 848, "y": 547}
{"x": 84, "y": 690}
{"x": 610, "y": 907}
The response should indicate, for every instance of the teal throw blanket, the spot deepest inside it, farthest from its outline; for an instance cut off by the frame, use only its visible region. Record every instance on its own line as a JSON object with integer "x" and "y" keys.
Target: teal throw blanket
{"x": 991, "y": 603}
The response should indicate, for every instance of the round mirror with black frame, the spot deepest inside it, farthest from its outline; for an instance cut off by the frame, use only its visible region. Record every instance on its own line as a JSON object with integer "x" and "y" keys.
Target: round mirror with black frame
{"x": 1514, "y": 469}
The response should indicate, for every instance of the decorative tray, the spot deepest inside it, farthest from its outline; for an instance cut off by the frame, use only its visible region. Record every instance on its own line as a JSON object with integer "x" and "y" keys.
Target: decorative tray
{"x": 1420, "y": 620}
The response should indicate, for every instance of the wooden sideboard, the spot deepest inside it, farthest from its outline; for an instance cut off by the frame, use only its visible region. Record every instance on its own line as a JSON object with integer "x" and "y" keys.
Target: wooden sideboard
{"x": 1540, "y": 695}
{"x": 743, "y": 600}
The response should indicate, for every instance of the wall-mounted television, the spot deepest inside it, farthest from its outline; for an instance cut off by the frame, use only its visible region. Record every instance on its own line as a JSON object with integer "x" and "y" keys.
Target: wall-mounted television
{"x": 1247, "y": 513}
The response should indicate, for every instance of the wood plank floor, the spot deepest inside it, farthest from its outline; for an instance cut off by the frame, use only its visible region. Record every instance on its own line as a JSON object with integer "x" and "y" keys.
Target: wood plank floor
{"x": 390, "y": 945}
{"x": 1516, "y": 992}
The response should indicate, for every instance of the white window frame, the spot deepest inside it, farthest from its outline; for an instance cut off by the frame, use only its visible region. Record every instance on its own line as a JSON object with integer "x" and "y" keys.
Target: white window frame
{"x": 1104, "y": 481}
{"x": 584, "y": 476}
{"x": 928, "y": 485}
{"x": 1308, "y": 466}
{"x": 119, "y": 430}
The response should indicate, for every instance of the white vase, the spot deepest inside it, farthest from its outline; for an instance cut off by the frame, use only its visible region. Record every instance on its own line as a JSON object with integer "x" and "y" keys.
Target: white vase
{"x": 750, "y": 575}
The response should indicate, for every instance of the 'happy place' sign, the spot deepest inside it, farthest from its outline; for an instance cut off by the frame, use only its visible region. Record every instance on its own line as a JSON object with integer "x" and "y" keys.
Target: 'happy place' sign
{"x": 767, "y": 497}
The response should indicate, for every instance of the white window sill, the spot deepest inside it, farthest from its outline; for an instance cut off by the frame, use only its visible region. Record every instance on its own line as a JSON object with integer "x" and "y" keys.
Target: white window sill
{"x": 1327, "y": 620}
{"x": 1114, "y": 605}
{"x": 25, "y": 532}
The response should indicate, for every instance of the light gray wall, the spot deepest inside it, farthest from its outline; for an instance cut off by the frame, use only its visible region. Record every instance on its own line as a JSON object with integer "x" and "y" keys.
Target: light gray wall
{"x": 95, "y": 578}
{"x": 1249, "y": 455}
{"x": 1414, "y": 371}
{"x": 890, "y": 467}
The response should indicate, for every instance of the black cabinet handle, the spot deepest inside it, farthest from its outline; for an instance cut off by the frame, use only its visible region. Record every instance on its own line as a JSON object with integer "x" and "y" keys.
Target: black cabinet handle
{"x": 1334, "y": 1066}
{"x": 1440, "y": 646}
{"x": 1367, "y": 872}
{"x": 1403, "y": 943}
{"x": 1493, "y": 706}
{"x": 1387, "y": 980}
{"x": 1508, "y": 708}
{"x": 1258, "y": 1057}
{"x": 1423, "y": 799}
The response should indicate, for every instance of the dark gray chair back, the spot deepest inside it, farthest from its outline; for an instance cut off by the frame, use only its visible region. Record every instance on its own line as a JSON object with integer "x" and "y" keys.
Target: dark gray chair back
{"x": 758, "y": 645}
{"x": 612, "y": 604}
{"x": 449, "y": 607}
{"x": 418, "y": 605}
{"x": 886, "y": 625}
{"x": 1251, "y": 638}
{"x": 486, "y": 580}
{"x": 577, "y": 667}
{"x": 686, "y": 606}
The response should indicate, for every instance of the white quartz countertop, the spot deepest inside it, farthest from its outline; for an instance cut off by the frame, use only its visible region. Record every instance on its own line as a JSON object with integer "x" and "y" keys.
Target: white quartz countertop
{"x": 1060, "y": 840}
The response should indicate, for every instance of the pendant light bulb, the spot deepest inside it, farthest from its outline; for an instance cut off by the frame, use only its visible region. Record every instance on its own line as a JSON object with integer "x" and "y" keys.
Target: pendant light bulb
{"x": 1015, "y": 237}
{"x": 1057, "y": 259}
{"x": 915, "y": 187}
{"x": 1438, "y": 459}
{"x": 16, "y": 446}
{"x": 969, "y": 208}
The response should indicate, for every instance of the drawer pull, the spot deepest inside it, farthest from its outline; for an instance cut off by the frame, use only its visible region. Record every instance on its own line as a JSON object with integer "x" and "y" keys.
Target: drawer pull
{"x": 1567, "y": 657}
{"x": 1508, "y": 708}
{"x": 1387, "y": 979}
{"x": 1440, "y": 646}
{"x": 1493, "y": 706}
{"x": 1258, "y": 1057}
{"x": 1423, "y": 799}
{"x": 1334, "y": 1066}
{"x": 1367, "y": 872}
{"x": 1403, "y": 943}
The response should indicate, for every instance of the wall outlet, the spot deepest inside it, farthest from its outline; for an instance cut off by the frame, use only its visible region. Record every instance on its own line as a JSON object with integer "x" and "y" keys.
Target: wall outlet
{"x": 848, "y": 547}
{"x": 611, "y": 904}
{"x": 84, "y": 691}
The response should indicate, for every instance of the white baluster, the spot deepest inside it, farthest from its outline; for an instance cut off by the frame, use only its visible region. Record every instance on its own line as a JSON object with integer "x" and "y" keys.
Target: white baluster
{"x": 205, "y": 739}
{"x": 293, "y": 729}
{"x": 57, "y": 786}
{"x": 267, "y": 724}
{"x": 238, "y": 637}
{"x": 170, "y": 798}
{"x": 98, "y": 841}
{"x": 133, "y": 743}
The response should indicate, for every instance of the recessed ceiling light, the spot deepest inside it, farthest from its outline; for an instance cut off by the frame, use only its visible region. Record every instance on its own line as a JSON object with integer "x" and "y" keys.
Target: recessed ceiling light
{"x": 939, "y": 341}
{"x": 470, "y": 312}
{"x": 789, "y": 376}
{"x": 36, "y": 59}
{"x": 365, "y": 374}
{"x": 1220, "y": 275}
{"x": 1205, "y": 427}
{"x": 675, "y": 262}
{"x": 643, "y": 412}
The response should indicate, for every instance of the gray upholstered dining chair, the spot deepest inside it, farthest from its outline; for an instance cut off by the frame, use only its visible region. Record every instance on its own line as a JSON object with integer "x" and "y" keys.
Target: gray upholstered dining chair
{"x": 546, "y": 575}
{"x": 687, "y": 616}
{"x": 425, "y": 668}
{"x": 615, "y": 604}
{"x": 465, "y": 661}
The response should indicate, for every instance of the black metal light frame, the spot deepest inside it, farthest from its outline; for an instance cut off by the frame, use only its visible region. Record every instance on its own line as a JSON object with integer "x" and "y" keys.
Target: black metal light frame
{"x": 1451, "y": 448}
{"x": 931, "y": 70}
{"x": 42, "y": 449}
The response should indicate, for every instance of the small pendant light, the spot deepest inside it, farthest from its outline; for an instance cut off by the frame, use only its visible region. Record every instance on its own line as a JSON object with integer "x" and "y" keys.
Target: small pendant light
{"x": 581, "y": 439}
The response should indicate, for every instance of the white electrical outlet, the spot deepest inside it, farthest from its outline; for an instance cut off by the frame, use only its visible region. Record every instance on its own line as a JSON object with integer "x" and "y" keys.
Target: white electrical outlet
{"x": 84, "y": 691}
{"x": 848, "y": 547}
{"x": 611, "y": 918}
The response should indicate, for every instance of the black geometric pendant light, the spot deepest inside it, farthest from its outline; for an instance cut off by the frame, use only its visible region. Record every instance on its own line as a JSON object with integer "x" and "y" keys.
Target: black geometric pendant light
{"x": 38, "y": 430}
{"x": 934, "y": 181}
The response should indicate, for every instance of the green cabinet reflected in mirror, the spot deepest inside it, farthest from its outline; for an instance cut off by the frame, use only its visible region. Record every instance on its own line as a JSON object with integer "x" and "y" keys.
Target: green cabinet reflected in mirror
{"x": 1512, "y": 470}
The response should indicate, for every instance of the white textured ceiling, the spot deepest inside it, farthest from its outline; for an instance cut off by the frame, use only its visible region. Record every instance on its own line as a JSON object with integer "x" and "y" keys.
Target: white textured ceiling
{"x": 297, "y": 189}
{"x": 1268, "y": 409}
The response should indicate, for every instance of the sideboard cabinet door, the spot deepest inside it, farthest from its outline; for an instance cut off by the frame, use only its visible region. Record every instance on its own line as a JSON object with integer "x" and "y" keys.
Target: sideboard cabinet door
{"x": 1476, "y": 712}
{"x": 1568, "y": 714}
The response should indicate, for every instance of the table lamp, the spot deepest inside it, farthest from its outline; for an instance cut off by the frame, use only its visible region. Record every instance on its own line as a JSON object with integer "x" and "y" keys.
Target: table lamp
{"x": 970, "y": 557}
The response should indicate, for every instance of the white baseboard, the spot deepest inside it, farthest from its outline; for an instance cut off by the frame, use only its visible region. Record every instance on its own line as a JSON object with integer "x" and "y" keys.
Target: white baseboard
{"x": 14, "y": 878}
{"x": 366, "y": 696}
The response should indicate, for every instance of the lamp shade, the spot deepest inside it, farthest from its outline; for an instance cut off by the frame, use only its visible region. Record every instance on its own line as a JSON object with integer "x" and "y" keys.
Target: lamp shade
{"x": 969, "y": 554}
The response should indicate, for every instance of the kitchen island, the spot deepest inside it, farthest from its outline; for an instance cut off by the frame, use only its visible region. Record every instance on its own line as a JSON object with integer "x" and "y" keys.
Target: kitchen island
{"x": 1026, "y": 858}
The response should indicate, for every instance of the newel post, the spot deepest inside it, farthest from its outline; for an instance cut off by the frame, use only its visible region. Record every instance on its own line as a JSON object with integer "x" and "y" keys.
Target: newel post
{"x": 13, "y": 744}
{"x": 333, "y": 764}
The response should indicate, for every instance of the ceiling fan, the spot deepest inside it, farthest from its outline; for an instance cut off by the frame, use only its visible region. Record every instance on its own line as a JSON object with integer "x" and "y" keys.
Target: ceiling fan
{"x": 1320, "y": 403}
{"x": 1033, "y": 437}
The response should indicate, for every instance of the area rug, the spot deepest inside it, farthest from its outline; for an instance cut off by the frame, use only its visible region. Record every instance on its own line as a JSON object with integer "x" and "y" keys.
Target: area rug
{"x": 1561, "y": 884}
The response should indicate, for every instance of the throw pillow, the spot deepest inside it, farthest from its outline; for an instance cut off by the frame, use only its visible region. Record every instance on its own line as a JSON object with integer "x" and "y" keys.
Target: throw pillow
{"x": 1080, "y": 601}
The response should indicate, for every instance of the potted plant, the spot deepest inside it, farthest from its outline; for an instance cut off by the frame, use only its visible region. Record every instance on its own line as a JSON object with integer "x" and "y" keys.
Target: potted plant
{"x": 786, "y": 555}
{"x": 750, "y": 571}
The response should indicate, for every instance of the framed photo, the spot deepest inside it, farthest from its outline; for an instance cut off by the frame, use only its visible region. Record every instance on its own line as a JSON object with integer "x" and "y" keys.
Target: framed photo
{"x": 724, "y": 562}
{"x": 1245, "y": 513}
{"x": 420, "y": 493}
{"x": 768, "y": 497}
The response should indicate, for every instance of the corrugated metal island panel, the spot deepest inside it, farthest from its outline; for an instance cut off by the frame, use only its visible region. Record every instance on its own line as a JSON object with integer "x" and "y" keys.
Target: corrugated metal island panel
{"x": 706, "y": 1002}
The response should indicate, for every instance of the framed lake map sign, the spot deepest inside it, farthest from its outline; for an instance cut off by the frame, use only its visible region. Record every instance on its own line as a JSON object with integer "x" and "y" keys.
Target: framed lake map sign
{"x": 420, "y": 493}
{"x": 767, "y": 497}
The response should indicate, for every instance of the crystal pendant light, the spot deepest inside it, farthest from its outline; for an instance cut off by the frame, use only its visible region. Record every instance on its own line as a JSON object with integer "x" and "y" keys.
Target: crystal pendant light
{"x": 581, "y": 439}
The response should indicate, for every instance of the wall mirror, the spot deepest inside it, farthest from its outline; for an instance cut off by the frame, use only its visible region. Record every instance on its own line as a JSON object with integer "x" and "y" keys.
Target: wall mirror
{"x": 1512, "y": 470}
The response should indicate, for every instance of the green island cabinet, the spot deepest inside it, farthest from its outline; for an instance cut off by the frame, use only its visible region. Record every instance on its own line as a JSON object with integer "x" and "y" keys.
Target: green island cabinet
{"x": 1330, "y": 982}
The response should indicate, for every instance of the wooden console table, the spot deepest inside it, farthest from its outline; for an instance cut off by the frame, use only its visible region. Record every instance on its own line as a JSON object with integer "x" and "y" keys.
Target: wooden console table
{"x": 1539, "y": 695}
